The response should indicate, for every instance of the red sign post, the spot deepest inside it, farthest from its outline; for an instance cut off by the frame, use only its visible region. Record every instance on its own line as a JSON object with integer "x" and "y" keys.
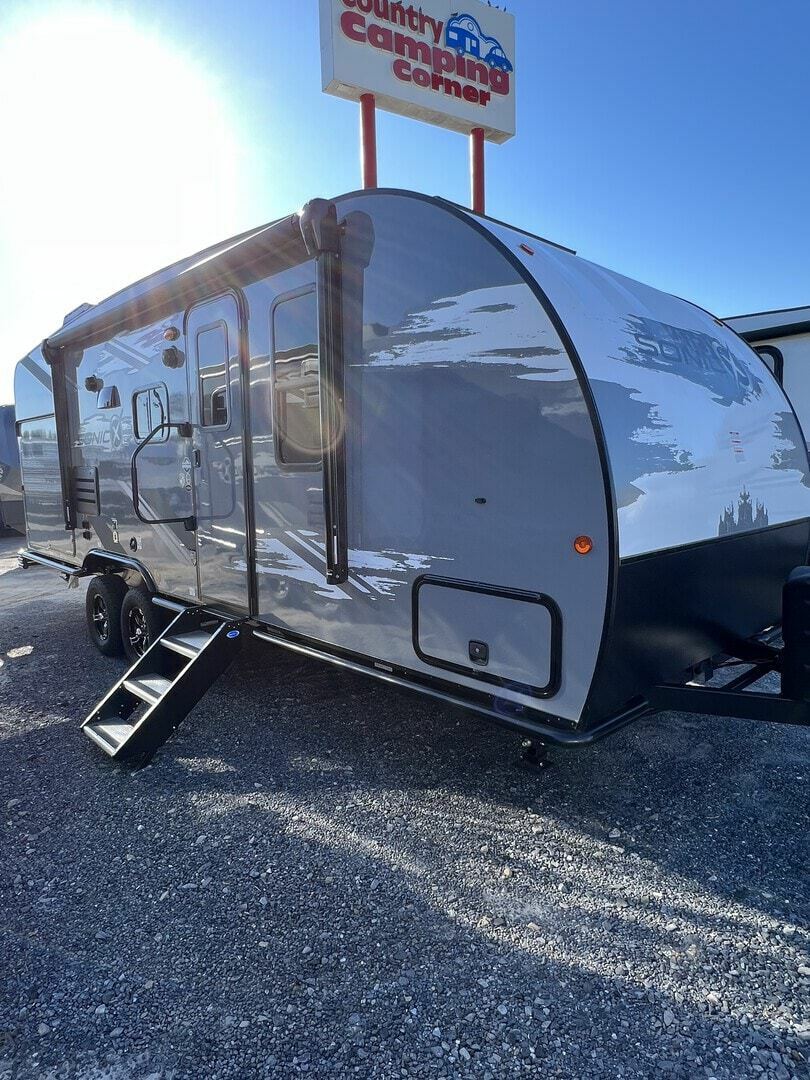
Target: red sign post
{"x": 477, "y": 174}
{"x": 426, "y": 60}
{"x": 368, "y": 140}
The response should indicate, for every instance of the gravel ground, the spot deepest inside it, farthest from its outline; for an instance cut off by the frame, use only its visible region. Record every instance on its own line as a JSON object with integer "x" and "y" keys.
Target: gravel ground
{"x": 321, "y": 876}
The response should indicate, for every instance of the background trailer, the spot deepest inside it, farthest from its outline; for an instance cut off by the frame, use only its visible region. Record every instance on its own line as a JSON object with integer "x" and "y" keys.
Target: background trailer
{"x": 11, "y": 506}
{"x": 782, "y": 338}
{"x": 425, "y": 445}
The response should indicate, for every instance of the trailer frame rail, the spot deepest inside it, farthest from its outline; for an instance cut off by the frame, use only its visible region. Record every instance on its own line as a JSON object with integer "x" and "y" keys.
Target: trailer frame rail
{"x": 735, "y": 698}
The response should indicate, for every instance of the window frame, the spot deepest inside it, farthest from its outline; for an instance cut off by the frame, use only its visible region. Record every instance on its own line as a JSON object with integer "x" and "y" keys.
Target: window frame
{"x": 292, "y": 466}
{"x": 145, "y": 390}
{"x": 778, "y": 360}
{"x": 200, "y": 399}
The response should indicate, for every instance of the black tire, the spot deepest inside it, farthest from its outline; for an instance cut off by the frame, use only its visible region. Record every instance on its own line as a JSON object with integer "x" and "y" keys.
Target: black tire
{"x": 102, "y": 607}
{"x": 141, "y": 623}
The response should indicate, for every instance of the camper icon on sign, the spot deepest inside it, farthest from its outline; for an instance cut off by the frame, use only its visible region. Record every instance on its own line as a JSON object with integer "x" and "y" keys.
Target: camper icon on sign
{"x": 464, "y": 34}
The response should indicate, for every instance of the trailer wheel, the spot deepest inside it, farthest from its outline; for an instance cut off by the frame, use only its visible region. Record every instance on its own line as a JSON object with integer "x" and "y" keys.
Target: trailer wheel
{"x": 141, "y": 624}
{"x": 105, "y": 595}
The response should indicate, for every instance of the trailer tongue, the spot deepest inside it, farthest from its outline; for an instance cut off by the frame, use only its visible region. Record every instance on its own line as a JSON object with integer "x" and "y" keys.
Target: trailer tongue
{"x": 791, "y": 705}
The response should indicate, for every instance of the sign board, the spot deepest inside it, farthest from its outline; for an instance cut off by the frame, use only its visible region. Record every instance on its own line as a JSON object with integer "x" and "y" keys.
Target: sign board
{"x": 430, "y": 59}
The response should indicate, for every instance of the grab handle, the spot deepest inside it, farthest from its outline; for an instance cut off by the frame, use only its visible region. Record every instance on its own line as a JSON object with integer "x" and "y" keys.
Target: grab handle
{"x": 184, "y": 429}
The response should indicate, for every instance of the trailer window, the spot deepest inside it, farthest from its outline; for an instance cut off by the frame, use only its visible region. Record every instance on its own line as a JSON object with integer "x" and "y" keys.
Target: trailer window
{"x": 296, "y": 380}
{"x": 150, "y": 409}
{"x": 212, "y": 364}
{"x": 774, "y": 359}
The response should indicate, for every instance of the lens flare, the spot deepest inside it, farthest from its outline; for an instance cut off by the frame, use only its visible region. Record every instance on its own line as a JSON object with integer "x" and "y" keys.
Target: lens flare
{"x": 120, "y": 155}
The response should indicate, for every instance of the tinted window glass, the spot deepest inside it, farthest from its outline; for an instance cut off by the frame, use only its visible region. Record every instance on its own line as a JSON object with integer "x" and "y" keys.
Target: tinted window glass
{"x": 212, "y": 362}
{"x": 140, "y": 410}
{"x": 149, "y": 410}
{"x": 767, "y": 358}
{"x": 774, "y": 359}
{"x": 296, "y": 380}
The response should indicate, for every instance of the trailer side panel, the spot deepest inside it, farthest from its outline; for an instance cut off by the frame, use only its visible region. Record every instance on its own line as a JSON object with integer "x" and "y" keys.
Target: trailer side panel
{"x": 465, "y": 423}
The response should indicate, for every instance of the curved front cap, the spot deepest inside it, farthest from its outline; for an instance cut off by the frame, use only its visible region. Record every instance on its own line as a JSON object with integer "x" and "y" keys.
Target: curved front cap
{"x": 701, "y": 440}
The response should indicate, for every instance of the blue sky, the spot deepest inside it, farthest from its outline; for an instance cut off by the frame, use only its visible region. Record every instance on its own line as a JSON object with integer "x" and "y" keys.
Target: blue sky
{"x": 665, "y": 140}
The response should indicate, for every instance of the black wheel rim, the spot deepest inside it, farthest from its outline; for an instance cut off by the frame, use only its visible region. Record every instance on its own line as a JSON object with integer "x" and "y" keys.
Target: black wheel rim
{"x": 101, "y": 618}
{"x": 137, "y": 631}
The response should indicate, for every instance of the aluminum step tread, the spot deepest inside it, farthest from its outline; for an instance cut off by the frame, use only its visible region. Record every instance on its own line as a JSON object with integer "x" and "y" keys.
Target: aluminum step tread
{"x": 109, "y": 734}
{"x": 188, "y": 644}
{"x": 149, "y": 688}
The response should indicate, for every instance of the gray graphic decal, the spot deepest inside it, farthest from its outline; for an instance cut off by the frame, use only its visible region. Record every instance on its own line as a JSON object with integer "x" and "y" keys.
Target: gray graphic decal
{"x": 746, "y": 518}
{"x": 495, "y": 318}
{"x": 691, "y": 416}
{"x": 377, "y": 575}
{"x": 692, "y": 355}
{"x": 642, "y": 442}
{"x": 792, "y": 454}
{"x": 40, "y": 374}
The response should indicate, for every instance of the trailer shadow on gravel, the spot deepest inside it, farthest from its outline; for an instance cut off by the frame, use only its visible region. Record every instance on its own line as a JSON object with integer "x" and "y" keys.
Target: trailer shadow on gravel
{"x": 318, "y": 869}
{"x": 671, "y": 785}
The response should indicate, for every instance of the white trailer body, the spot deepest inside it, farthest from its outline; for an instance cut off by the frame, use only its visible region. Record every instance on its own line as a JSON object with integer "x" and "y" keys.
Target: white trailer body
{"x": 421, "y": 444}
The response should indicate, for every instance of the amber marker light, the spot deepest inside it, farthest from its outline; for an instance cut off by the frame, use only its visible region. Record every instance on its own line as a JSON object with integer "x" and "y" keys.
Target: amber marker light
{"x": 583, "y": 545}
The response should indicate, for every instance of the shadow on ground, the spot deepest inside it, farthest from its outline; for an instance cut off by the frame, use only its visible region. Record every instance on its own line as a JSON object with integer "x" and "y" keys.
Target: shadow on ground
{"x": 320, "y": 875}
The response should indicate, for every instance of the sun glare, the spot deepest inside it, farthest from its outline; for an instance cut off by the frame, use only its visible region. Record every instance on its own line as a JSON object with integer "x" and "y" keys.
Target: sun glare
{"x": 119, "y": 155}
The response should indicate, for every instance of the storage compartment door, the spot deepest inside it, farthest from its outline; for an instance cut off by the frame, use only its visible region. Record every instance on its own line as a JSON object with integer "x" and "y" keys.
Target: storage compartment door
{"x": 499, "y": 636}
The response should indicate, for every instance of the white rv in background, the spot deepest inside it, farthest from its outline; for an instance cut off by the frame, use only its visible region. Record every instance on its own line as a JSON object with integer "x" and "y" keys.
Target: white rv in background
{"x": 782, "y": 339}
{"x": 11, "y": 504}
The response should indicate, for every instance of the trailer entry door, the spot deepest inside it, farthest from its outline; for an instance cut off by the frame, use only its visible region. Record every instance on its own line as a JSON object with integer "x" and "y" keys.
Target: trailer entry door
{"x": 213, "y": 333}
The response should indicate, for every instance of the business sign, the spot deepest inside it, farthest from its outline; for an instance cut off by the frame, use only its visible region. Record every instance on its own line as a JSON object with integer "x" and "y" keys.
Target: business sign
{"x": 433, "y": 61}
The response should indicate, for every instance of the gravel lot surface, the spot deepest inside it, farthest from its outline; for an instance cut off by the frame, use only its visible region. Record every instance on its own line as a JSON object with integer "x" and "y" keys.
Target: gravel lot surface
{"x": 321, "y": 876}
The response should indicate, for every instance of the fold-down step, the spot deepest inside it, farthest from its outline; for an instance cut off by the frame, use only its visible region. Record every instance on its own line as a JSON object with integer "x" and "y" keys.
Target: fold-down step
{"x": 149, "y": 688}
{"x": 153, "y": 698}
{"x": 188, "y": 644}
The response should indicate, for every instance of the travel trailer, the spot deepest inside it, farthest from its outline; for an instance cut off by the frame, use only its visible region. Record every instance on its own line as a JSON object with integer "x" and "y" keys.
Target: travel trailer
{"x": 11, "y": 507}
{"x": 782, "y": 339}
{"x": 424, "y": 445}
